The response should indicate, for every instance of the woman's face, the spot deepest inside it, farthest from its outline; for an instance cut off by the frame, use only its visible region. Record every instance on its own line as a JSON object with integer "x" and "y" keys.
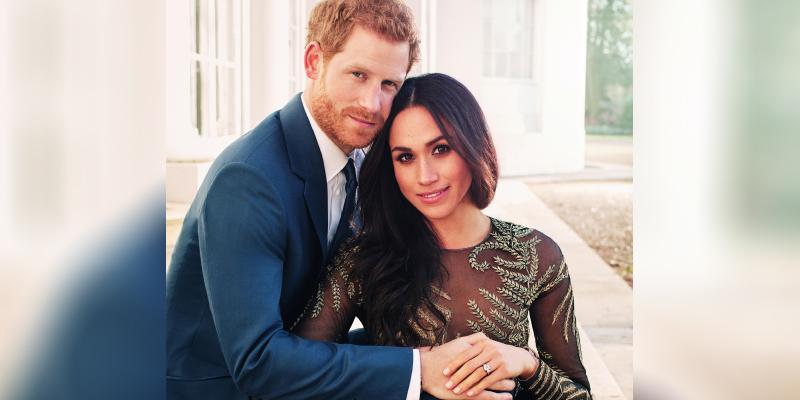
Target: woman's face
{"x": 430, "y": 174}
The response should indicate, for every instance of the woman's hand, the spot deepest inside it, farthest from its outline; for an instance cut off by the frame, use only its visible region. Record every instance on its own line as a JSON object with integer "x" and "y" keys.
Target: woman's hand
{"x": 433, "y": 360}
{"x": 487, "y": 362}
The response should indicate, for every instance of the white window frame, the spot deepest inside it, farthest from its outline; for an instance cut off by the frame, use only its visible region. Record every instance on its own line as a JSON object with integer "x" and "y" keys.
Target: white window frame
{"x": 530, "y": 80}
{"x": 529, "y": 48}
{"x": 208, "y": 109}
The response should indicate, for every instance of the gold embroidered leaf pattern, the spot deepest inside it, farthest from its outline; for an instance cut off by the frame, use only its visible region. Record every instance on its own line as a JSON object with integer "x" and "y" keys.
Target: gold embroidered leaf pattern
{"x": 513, "y": 296}
{"x": 337, "y": 296}
{"x": 439, "y": 292}
{"x": 525, "y": 279}
{"x": 569, "y": 320}
{"x": 507, "y": 266}
{"x": 484, "y": 321}
{"x": 499, "y": 304}
{"x": 551, "y": 383}
{"x": 502, "y": 320}
{"x": 518, "y": 264}
{"x": 516, "y": 287}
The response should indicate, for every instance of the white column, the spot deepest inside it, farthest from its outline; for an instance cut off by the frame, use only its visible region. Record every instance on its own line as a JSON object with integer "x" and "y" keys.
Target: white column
{"x": 564, "y": 81}
{"x": 269, "y": 56}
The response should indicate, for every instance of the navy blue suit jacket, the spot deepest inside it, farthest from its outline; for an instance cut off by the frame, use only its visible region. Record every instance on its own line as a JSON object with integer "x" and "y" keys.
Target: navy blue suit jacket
{"x": 248, "y": 257}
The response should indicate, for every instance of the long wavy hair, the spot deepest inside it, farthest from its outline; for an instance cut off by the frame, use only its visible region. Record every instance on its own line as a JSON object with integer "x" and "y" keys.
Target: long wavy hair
{"x": 399, "y": 261}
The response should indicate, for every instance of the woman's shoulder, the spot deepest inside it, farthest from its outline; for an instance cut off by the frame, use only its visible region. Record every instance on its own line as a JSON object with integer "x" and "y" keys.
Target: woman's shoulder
{"x": 547, "y": 249}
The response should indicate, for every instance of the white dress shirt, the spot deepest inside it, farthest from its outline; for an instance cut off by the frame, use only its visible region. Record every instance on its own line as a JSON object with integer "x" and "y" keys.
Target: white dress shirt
{"x": 334, "y": 161}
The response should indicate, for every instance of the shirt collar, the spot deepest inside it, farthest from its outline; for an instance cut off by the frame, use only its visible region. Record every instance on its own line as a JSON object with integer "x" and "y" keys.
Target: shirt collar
{"x": 333, "y": 158}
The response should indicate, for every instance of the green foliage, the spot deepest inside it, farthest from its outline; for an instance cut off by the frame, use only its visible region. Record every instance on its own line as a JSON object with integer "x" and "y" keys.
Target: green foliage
{"x": 609, "y": 72}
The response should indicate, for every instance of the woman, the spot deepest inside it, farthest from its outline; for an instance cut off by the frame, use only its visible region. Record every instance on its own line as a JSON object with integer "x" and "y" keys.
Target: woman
{"x": 428, "y": 266}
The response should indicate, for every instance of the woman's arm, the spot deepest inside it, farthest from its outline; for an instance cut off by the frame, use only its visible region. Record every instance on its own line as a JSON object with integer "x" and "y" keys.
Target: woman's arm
{"x": 331, "y": 310}
{"x": 560, "y": 373}
{"x": 557, "y": 372}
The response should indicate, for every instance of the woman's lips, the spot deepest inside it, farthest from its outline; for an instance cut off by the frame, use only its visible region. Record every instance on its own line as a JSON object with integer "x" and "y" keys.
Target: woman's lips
{"x": 433, "y": 197}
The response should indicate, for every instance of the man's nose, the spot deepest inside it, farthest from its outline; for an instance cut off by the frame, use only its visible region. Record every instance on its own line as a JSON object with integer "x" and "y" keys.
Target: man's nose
{"x": 370, "y": 99}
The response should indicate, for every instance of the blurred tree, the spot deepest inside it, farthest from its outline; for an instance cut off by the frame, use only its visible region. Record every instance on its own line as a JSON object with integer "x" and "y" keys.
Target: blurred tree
{"x": 609, "y": 69}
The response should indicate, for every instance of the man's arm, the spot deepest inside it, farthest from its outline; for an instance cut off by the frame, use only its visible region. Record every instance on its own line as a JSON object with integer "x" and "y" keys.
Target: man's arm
{"x": 242, "y": 238}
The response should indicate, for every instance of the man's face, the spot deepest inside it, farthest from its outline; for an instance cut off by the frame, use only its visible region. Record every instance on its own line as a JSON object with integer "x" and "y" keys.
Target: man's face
{"x": 352, "y": 98}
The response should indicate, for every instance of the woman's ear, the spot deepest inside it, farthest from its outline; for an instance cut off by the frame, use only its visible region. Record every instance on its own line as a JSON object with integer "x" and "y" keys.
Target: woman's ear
{"x": 313, "y": 61}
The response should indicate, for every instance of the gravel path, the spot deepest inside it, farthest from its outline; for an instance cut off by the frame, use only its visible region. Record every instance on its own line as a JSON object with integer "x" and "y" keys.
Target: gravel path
{"x": 601, "y": 213}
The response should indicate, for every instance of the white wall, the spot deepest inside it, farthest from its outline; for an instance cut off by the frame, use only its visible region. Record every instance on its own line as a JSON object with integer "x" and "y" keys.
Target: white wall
{"x": 452, "y": 39}
{"x": 561, "y": 46}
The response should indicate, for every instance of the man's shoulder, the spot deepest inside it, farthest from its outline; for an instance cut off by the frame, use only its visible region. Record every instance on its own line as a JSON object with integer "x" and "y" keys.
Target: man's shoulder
{"x": 266, "y": 140}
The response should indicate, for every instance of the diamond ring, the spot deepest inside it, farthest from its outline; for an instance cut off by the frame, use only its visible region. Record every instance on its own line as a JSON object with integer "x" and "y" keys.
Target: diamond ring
{"x": 487, "y": 368}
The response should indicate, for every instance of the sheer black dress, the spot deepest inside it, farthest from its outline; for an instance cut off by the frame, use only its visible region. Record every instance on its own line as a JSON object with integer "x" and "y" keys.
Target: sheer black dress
{"x": 513, "y": 275}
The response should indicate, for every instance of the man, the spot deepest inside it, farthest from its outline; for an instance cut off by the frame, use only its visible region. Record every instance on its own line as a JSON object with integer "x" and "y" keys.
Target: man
{"x": 271, "y": 212}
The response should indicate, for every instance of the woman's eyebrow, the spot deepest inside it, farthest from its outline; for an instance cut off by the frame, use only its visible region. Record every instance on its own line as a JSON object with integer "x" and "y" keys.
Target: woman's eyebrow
{"x": 430, "y": 143}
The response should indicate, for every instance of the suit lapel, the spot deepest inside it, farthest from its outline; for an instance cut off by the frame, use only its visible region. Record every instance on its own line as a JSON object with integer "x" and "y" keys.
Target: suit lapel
{"x": 306, "y": 162}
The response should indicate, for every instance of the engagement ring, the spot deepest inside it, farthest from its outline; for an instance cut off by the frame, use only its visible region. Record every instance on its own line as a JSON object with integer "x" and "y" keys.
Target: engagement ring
{"x": 487, "y": 368}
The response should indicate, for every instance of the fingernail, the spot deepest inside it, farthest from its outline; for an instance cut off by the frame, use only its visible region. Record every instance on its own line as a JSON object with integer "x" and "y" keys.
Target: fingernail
{"x": 446, "y": 371}
{"x": 449, "y": 384}
{"x": 470, "y": 393}
{"x": 457, "y": 390}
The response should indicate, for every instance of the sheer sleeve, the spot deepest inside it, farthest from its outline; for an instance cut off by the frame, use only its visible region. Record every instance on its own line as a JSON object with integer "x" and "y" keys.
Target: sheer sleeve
{"x": 561, "y": 374}
{"x": 330, "y": 312}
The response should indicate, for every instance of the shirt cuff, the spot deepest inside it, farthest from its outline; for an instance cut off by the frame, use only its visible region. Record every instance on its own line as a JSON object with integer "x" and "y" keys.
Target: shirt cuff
{"x": 414, "y": 387}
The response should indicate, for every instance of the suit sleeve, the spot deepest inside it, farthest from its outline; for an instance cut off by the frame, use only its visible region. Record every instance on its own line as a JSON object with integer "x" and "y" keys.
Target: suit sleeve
{"x": 242, "y": 237}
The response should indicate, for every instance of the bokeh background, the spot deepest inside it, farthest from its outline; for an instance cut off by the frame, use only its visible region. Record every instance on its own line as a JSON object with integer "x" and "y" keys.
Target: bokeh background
{"x": 95, "y": 95}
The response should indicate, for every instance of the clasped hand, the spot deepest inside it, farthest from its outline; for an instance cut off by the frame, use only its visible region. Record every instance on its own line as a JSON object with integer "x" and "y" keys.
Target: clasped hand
{"x": 459, "y": 366}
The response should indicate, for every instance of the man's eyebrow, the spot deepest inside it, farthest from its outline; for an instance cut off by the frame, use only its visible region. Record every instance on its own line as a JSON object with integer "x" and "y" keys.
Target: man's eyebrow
{"x": 398, "y": 79}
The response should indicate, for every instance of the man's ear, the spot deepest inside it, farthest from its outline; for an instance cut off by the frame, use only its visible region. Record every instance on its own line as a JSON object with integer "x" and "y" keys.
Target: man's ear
{"x": 313, "y": 60}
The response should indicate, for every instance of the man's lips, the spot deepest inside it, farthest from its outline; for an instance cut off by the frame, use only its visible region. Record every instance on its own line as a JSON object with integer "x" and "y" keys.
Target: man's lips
{"x": 363, "y": 122}
{"x": 433, "y": 197}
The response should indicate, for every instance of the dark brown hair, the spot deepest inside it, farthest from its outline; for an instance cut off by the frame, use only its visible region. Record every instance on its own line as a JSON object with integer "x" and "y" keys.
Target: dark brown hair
{"x": 399, "y": 257}
{"x": 331, "y": 22}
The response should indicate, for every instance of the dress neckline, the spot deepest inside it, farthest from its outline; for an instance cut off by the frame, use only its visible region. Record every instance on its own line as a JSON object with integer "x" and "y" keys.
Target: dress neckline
{"x": 492, "y": 226}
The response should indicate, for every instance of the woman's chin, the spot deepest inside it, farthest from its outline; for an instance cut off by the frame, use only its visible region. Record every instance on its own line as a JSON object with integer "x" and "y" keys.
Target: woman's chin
{"x": 433, "y": 213}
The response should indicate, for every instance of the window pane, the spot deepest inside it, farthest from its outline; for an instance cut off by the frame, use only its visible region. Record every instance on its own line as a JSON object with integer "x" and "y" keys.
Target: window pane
{"x": 197, "y": 99}
{"x": 227, "y": 94}
{"x": 515, "y": 69}
{"x": 501, "y": 65}
{"x": 193, "y": 27}
{"x": 508, "y": 31}
{"x": 200, "y": 26}
{"x": 226, "y": 30}
{"x": 216, "y": 70}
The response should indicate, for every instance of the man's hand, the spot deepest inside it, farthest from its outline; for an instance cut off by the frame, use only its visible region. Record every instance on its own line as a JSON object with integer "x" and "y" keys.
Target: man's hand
{"x": 434, "y": 361}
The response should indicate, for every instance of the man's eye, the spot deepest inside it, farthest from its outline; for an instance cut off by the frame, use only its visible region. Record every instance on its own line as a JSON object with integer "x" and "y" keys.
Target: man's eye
{"x": 358, "y": 75}
{"x": 441, "y": 149}
{"x": 391, "y": 84}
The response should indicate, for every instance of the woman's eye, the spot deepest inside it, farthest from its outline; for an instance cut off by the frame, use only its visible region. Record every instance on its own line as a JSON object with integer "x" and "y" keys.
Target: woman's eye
{"x": 441, "y": 149}
{"x": 403, "y": 158}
